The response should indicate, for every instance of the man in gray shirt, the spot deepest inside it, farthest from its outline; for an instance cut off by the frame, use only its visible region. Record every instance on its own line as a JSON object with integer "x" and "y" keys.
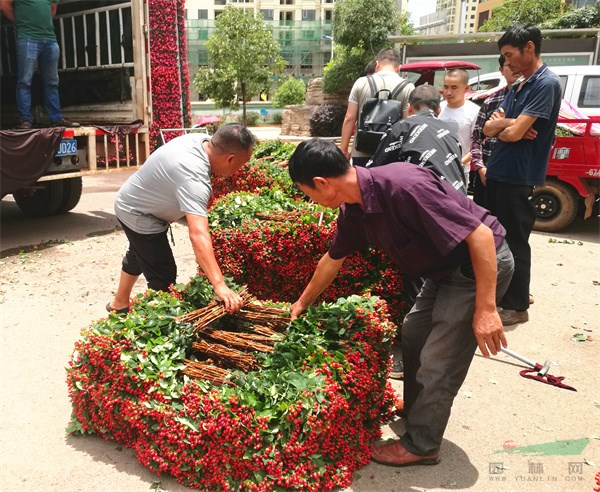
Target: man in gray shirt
{"x": 174, "y": 183}
{"x": 386, "y": 77}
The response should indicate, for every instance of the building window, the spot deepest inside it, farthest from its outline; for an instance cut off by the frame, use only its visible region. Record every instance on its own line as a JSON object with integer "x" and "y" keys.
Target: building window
{"x": 220, "y": 2}
{"x": 286, "y": 16}
{"x": 218, "y": 13}
{"x": 286, "y": 2}
{"x": 267, "y": 14}
{"x": 203, "y": 34}
{"x": 308, "y": 15}
{"x": 307, "y": 60}
{"x": 202, "y": 57}
{"x": 185, "y": 14}
{"x": 202, "y": 13}
{"x": 308, "y": 34}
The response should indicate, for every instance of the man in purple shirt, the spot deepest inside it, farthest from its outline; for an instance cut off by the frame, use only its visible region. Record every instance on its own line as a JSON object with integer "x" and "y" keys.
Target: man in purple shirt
{"x": 430, "y": 230}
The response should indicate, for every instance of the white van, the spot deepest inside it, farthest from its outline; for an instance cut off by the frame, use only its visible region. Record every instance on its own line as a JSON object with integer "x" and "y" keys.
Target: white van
{"x": 580, "y": 85}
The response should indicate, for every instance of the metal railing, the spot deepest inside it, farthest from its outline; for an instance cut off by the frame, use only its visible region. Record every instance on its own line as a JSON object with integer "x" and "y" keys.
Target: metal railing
{"x": 89, "y": 40}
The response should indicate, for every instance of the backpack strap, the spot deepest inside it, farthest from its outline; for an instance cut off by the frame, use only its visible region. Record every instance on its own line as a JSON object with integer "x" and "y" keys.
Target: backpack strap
{"x": 372, "y": 86}
{"x": 398, "y": 89}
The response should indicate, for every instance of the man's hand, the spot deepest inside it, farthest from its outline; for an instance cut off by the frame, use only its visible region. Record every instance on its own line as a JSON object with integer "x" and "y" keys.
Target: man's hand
{"x": 297, "y": 309}
{"x": 531, "y": 134}
{"x": 497, "y": 115}
{"x": 489, "y": 332}
{"x": 233, "y": 302}
{"x": 482, "y": 171}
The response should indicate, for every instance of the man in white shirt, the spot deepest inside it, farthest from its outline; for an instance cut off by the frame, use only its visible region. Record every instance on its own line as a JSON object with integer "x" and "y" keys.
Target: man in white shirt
{"x": 460, "y": 111}
{"x": 385, "y": 77}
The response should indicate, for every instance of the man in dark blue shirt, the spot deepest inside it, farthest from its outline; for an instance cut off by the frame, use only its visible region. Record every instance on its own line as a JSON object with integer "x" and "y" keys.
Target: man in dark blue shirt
{"x": 524, "y": 126}
{"x": 429, "y": 230}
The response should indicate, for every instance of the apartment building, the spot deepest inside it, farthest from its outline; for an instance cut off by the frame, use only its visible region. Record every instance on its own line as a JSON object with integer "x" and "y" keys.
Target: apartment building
{"x": 303, "y": 28}
{"x": 450, "y": 17}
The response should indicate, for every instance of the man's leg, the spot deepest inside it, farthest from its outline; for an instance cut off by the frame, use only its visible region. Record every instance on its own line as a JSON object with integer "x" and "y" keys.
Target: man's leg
{"x": 513, "y": 207}
{"x": 149, "y": 254}
{"x": 48, "y": 63}
{"x": 478, "y": 190}
{"x": 27, "y": 54}
{"x": 123, "y": 294}
{"x": 446, "y": 348}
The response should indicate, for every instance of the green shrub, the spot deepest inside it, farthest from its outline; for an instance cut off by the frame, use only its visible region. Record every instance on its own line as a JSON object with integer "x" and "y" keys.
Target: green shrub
{"x": 277, "y": 118}
{"x": 327, "y": 120}
{"x": 292, "y": 91}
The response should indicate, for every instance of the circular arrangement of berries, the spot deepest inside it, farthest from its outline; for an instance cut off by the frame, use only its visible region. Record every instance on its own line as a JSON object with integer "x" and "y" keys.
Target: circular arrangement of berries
{"x": 244, "y": 402}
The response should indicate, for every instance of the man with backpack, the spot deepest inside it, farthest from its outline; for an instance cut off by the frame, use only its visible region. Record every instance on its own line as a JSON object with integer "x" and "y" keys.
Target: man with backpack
{"x": 384, "y": 85}
{"x": 425, "y": 140}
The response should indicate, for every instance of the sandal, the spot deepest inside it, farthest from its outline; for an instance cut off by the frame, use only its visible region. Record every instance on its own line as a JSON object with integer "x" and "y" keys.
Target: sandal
{"x": 118, "y": 311}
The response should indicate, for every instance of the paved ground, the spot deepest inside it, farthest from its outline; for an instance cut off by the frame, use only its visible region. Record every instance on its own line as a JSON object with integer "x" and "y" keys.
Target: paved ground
{"x": 56, "y": 275}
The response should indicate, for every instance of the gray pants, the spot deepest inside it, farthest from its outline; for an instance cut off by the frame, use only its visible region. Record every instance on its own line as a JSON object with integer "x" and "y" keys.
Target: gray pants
{"x": 438, "y": 346}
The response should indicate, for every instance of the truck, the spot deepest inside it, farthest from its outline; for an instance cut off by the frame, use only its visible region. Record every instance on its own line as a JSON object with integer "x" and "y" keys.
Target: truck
{"x": 572, "y": 186}
{"x": 104, "y": 85}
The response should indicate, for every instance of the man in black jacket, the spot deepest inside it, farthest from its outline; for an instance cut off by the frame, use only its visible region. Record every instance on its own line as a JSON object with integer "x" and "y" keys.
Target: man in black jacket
{"x": 424, "y": 140}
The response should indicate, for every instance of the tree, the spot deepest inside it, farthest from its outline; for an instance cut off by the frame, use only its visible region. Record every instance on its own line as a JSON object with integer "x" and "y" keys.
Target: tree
{"x": 292, "y": 91}
{"x": 533, "y": 12}
{"x": 360, "y": 30}
{"x": 587, "y": 17}
{"x": 243, "y": 58}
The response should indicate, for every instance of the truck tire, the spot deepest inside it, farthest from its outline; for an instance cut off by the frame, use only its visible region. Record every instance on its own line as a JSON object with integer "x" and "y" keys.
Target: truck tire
{"x": 42, "y": 201}
{"x": 72, "y": 189}
{"x": 555, "y": 205}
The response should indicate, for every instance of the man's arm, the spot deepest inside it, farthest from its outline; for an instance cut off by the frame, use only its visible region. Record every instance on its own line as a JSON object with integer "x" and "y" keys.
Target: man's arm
{"x": 325, "y": 272}
{"x": 205, "y": 256}
{"x": 487, "y": 325}
{"x": 478, "y": 138}
{"x": 348, "y": 127}
{"x": 53, "y": 9}
{"x": 510, "y": 129}
{"x": 6, "y": 7}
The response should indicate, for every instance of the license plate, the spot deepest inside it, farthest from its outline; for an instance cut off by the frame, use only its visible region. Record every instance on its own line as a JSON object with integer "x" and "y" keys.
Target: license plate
{"x": 66, "y": 147}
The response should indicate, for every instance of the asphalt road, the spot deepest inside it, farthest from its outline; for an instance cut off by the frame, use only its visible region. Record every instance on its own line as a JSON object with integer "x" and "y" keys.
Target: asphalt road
{"x": 94, "y": 216}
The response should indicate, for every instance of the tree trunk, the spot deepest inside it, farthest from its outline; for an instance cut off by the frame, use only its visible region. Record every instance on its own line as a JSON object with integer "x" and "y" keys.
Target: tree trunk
{"x": 244, "y": 104}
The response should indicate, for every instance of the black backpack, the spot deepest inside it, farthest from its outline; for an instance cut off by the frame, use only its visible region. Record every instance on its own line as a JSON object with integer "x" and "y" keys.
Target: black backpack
{"x": 377, "y": 116}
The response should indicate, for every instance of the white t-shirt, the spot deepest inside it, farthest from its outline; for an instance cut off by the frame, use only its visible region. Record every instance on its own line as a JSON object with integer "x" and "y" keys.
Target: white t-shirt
{"x": 173, "y": 181}
{"x": 465, "y": 118}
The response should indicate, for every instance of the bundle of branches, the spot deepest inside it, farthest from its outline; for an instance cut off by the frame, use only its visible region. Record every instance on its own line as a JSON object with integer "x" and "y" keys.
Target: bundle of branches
{"x": 228, "y": 356}
{"x": 281, "y": 215}
{"x": 208, "y": 372}
{"x": 243, "y": 341}
{"x": 212, "y": 312}
{"x": 259, "y": 314}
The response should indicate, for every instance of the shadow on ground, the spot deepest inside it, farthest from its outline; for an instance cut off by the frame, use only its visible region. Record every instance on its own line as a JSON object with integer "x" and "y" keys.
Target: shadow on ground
{"x": 19, "y": 233}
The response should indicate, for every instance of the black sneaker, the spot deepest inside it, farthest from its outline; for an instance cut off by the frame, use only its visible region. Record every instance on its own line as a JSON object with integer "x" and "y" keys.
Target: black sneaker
{"x": 66, "y": 123}
{"x": 24, "y": 125}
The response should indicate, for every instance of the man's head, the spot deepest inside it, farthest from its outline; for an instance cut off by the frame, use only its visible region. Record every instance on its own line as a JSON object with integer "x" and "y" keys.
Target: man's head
{"x": 313, "y": 165}
{"x": 388, "y": 59}
{"x": 456, "y": 83}
{"x": 230, "y": 148}
{"x": 424, "y": 96}
{"x": 506, "y": 72}
{"x": 521, "y": 45}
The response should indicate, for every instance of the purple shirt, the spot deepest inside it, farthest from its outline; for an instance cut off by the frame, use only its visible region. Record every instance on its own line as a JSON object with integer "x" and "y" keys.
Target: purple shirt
{"x": 412, "y": 215}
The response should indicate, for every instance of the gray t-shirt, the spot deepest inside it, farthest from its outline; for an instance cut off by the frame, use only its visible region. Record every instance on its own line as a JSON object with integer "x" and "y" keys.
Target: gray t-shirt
{"x": 175, "y": 180}
{"x": 383, "y": 79}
